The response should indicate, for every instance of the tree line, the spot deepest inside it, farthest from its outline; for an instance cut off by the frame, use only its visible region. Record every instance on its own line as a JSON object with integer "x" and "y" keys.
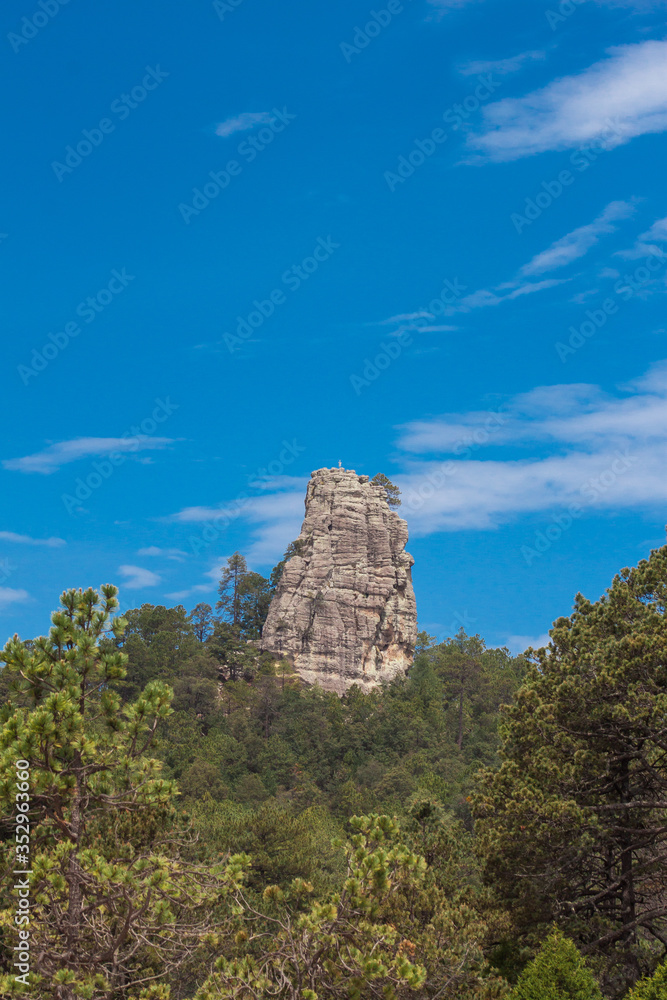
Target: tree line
{"x": 490, "y": 826}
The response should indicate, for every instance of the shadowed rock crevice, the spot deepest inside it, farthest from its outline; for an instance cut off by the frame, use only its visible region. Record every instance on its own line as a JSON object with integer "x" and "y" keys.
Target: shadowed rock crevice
{"x": 344, "y": 612}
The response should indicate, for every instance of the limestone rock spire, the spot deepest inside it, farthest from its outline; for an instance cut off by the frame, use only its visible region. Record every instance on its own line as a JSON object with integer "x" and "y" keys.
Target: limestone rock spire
{"x": 344, "y": 612}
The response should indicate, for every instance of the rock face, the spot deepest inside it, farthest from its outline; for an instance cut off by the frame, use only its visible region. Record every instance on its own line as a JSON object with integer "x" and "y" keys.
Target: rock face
{"x": 344, "y": 612}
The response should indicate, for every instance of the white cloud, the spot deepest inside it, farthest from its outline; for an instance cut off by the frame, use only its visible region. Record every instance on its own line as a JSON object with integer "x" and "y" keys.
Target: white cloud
{"x": 484, "y": 297}
{"x": 404, "y": 318}
{"x": 502, "y": 67}
{"x": 414, "y": 321}
{"x": 647, "y": 243}
{"x": 11, "y": 536}
{"x": 658, "y": 231}
{"x": 598, "y": 450}
{"x": 176, "y": 554}
{"x": 199, "y": 588}
{"x": 56, "y": 455}
{"x": 137, "y": 577}
{"x": 275, "y": 520}
{"x": 620, "y": 97}
{"x": 446, "y": 5}
{"x": 579, "y": 241}
{"x": 10, "y": 596}
{"x": 581, "y": 297}
{"x": 508, "y": 291}
{"x": 437, "y": 329}
{"x": 520, "y": 643}
{"x": 242, "y": 122}
{"x": 638, "y": 5}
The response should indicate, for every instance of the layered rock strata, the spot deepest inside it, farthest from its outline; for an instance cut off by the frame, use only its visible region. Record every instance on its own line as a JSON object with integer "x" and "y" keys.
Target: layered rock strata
{"x": 344, "y": 612}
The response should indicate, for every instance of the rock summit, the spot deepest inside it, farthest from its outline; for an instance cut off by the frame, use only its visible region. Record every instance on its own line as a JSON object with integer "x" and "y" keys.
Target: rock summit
{"x": 344, "y": 612}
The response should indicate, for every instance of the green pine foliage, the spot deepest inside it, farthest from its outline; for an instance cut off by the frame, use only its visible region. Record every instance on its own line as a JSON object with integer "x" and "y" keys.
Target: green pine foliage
{"x": 392, "y": 492}
{"x": 652, "y": 988}
{"x": 260, "y": 733}
{"x": 573, "y": 822}
{"x": 467, "y": 832}
{"x": 115, "y": 900}
{"x": 558, "y": 972}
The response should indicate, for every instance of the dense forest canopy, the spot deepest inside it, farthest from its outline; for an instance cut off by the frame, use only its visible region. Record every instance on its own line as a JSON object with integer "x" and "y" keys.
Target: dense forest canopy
{"x": 202, "y": 824}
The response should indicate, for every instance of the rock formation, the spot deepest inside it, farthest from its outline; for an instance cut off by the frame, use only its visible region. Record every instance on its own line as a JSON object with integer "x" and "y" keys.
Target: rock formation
{"x": 344, "y": 612}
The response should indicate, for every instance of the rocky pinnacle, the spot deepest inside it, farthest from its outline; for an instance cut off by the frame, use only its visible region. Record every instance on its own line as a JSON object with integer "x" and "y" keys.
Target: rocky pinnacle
{"x": 344, "y": 612}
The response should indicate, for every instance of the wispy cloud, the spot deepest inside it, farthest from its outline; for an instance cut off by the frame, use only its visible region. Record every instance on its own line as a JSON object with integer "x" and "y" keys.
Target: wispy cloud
{"x": 414, "y": 321}
{"x": 10, "y": 596}
{"x": 176, "y": 554}
{"x": 502, "y": 67}
{"x": 137, "y": 577}
{"x": 628, "y": 89}
{"x": 577, "y": 438}
{"x": 275, "y": 518}
{"x": 442, "y": 328}
{"x": 199, "y": 588}
{"x": 443, "y": 6}
{"x": 638, "y": 5}
{"x": 403, "y": 318}
{"x": 648, "y": 242}
{"x": 520, "y": 643}
{"x": 243, "y": 122}
{"x": 579, "y": 241}
{"x": 211, "y": 575}
{"x": 596, "y": 449}
{"x": 11, "y": 536}
{"x": 485, "y": 297}
{"x": 63, "y": 452}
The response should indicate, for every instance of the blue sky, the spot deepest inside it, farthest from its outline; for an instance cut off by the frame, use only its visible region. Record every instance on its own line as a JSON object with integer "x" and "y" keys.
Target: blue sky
{"x": 240, "y": 243}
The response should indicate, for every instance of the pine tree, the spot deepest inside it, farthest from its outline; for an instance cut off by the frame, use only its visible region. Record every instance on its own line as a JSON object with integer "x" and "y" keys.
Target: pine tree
{"x": 458, "y": 662}
{"x": 558, "y": 972}
{"x": 201, "y": 617}
{"x": 245, "y": 597}
{"x": 392, "y": 493}
{"x": 114, "y": 905}
{"x": 574, "y": 823}
{"x": 255, "y": 595}
{"x": 229, "y": 589}
{"x": 293, "y": 549}
{"x": 334, "y": 949}
{"x": 653, "y": 988}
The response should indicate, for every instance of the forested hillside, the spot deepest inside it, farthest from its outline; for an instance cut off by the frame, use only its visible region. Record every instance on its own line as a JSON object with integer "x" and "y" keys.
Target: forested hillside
{"x": 204, "y": 825}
